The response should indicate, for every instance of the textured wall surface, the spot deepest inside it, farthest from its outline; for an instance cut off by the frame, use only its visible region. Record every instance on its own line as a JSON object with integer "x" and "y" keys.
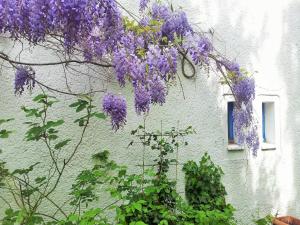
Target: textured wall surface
{"x": 264, "y": 36}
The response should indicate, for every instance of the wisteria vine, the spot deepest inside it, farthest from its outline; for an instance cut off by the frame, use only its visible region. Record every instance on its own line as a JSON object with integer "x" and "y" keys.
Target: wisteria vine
{"x": 143, "y": 51}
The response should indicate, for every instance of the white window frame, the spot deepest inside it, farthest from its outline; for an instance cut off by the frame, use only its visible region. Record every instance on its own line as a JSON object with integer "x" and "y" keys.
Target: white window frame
{"x": 275, "y": 99}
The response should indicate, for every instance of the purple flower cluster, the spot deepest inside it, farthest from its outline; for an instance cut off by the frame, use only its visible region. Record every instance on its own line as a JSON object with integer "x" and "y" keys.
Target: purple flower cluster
{"x": 24, "y": 77}
{"x": 158, "y": 91}
{"x": 231, "y": 67}
{"x": 121, "y": 65}
{"x": 73, "y": 20}
{"x": 143, "y": 4}
{"x": 198, "y": 47}
{"x": 245, "y": 129}
{"x": 243, "y": 88}
{"x": 148, "y": 74}
{"x": 175, "y": 23}
{"x": 162, "y": 62}
{"x": 115, "y": 107}
{"x": 148, "y": 67}
{"x": 142, "y": 99}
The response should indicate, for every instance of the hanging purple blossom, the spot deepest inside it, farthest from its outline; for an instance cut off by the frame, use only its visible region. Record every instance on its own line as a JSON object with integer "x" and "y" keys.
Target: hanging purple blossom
{"x": 172, "y": 55}
{"x": 252, "y": 140}
{"x": 158, "y": 91}
{"x": 143, "y": 4}
{"x": 198, "y": 47}
{"x": 244, "y": 89}
{"x": 160, "y": 11}
{"x": 74, "y": 20}
{"x": 115, "y": 107}
{"x": 121, "y": 65}
{"x": 174, "y": 23}
{"x": 142, "y": 99}
{"x": 161, "y": 62}
{"x": 230, "y": 66}
{"x": 24, "y": 77}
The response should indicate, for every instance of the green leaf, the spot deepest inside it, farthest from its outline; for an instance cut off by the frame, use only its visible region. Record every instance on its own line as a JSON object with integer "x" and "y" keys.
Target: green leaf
{"x": 163, "y": 222}
{"x": 31, "y": 112}
{"x": 81, "y": 107}
{"x": 34, "y": 133}
{"x": 100, "y": 115}
{"x": 4, "y": 133}
{"x": 54, "y": 123}
{"x": 75, "y": 104}
{"x": 61, "y": 144}
{"x": 137, "y": 206}
{"x": 138, "y": 223}
{"x": 39, "y": 97}
{"x": 39, "y": 180}
{"x": 25, "y": 171}
{"x": 101, "y": 156}
{"x": 5, "y": 120}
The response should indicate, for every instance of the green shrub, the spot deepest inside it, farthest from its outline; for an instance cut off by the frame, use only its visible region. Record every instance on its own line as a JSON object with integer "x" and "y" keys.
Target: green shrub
{"x": 203, "y": 186}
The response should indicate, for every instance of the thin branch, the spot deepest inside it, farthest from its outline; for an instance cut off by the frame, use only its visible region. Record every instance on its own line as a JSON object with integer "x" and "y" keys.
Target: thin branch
{"x": 223, "y": 74}
{"x": 64, "y": 92}
{"x": 11, "y": 61}
{"x": 6, "y": 202}
{"x": 66, "y": 162}
{"x": 45, "y": 215}
{"x": 45, "y": 196}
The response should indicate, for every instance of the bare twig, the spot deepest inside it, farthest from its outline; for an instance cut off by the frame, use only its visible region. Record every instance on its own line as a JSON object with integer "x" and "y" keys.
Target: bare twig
{"x": 11, "y": 61}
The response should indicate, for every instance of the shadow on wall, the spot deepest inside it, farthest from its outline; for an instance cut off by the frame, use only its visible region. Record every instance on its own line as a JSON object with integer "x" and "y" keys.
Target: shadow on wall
{"x": 267, "y": 37}
{"x": 289, "y": 65}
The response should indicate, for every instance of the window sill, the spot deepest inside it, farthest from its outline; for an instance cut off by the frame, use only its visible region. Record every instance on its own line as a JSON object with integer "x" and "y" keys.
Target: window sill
{"x": 234, "y": 147}
{"x": 268, "y": 146}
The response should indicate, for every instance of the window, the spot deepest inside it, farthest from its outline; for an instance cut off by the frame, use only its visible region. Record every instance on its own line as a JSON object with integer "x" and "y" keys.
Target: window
{"x": 230, "y": 128}
{"x": 268, "y": 125}
{"x": 230, "y": 107}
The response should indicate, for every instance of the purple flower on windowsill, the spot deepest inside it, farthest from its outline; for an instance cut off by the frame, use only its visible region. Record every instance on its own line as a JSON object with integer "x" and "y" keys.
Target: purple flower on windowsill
{"x": 24, "y": 77}
{"x": 115, "y": 106}
{"x": 246, "y": 131}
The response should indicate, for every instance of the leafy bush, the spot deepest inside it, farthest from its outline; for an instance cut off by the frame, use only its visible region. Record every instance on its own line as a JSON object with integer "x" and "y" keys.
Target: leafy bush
{"x": 159, "y": 203}
{"x": 203, "y": 187}
{"x": 205, "y": 193}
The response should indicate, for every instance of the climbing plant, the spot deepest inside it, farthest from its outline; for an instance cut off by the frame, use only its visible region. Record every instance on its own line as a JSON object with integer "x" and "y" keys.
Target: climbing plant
{"x": 142, "y": 50}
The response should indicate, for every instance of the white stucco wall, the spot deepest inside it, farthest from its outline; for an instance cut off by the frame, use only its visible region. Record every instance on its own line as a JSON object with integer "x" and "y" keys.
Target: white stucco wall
{"x": 264, "y": 36}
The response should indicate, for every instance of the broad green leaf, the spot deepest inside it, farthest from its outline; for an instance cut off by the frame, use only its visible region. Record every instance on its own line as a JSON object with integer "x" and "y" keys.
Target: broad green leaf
{"x": 39, "y": 97}
{"x": 100, "y": 115}
{"x": 61, "y": 144}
